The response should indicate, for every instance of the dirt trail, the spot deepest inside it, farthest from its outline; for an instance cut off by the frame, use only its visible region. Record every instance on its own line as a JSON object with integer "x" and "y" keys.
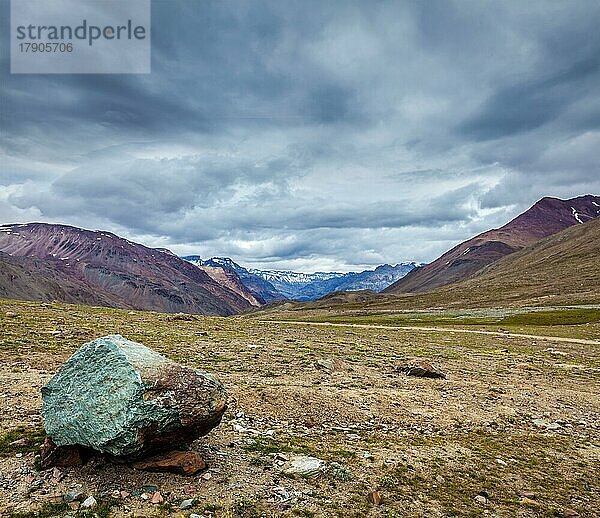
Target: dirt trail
{"x": 443, "y": 329}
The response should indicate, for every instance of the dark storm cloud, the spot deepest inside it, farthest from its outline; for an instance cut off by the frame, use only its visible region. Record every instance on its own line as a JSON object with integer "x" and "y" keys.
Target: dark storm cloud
{"x": 529, "y": 105}
{"x": 314, "y": 134}
{"x": 566, "y": 69}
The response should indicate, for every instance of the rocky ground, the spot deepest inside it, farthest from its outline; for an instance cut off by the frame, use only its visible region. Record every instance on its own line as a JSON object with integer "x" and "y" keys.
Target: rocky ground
{"x": 323, "y": 421}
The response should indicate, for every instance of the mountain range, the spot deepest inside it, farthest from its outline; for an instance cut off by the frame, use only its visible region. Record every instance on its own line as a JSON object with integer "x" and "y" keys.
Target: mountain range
{"x": 312, "y": 286}
{"x": 560, "y": 269}
{"x": 40, "y": 261}
{"x": 58, "y": 262}
{"x": 273, "y": 285}
{"x": 262, "y": 290}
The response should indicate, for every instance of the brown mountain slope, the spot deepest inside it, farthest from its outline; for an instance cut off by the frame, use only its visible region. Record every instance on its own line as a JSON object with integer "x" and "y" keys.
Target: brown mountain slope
{"x": 547, "y": 217}
{"x": 230, "y": 279}
{"x": 34, "y": 279}
{"x": 117, "y": 272}
{"x": 560, "y": 269}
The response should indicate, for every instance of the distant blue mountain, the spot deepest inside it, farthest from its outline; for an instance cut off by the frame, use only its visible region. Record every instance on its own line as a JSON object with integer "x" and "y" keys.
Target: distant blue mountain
{"x": 312, "y": 286}
{"x": 273, "y": 285}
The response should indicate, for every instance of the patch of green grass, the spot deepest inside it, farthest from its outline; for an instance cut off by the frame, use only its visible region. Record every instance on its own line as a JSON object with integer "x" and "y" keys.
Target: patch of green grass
{"x": 34, "y": 436}
{"x": 48, "y": 510}
{"x": 562, "y": 317}
{"x": 245, "y": 507}
{"x": 454, "y": 484}
{"x": 299, "y": 446}
{"x": 212, "y": 507}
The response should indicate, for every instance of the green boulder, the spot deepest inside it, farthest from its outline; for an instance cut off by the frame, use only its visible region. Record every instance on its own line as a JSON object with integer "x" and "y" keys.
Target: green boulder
{"x": 121, "y": 398}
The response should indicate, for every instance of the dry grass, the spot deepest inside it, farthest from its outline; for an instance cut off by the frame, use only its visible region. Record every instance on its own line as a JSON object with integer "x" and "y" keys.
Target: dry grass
{"x": 429, "y": 446}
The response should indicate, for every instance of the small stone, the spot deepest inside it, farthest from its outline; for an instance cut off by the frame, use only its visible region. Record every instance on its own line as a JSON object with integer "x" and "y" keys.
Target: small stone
{"x": 326, "y": 365}
{"x": 89, "y": 502}
{"x": 501, "y": 462}
{"x": 310, "y": 422}
{"x": 553, "y": 427}
{"x": 74, "y": 506}
{"x": 73, "y": 496}
{"x": 528, "y": 501}
{"x": 375, "y": 497}
{"x": 180, "y": 462}
{"x": 24, "y": 441}
{"x": 150, "y": 488}
{"x": 57, "y": 474}
{"x": 556, "y": 352}
{"x": 207, "y": 475}
{"x": 305, "y": 467}
{"x": 144, "y": 496}
{"x": 570, "y": 513}
{"x": 481, "y": 500}
{"x": 422, "y": 369}
{"x": 183, "y": 316}
{"x": 125, "y": 494}
{"x": 368, "y": 456}
{"x": 194, "y": 515}
{"x": 19, "y": 455}
{"x": 526, "y": 494}
{"x": 187, "y": 504}
{"x": 157, "y": 498}
{"x": 11, "y": 314}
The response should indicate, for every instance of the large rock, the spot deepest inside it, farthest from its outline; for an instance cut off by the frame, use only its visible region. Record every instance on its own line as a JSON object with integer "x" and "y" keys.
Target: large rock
{"x": 121, "y": 398}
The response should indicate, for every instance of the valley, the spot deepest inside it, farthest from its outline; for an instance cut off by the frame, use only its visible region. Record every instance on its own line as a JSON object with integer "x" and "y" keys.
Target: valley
{"x": 506, "y": 426}
{"x": 512, "y": 430}
{"x": 300, "y": 260}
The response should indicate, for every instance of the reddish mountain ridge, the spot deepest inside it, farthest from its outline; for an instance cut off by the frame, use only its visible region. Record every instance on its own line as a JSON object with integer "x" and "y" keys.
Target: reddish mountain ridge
{"x": 547, "y": 217}
{"x": 34, "y": 279}
{"x": 105, "y": 269}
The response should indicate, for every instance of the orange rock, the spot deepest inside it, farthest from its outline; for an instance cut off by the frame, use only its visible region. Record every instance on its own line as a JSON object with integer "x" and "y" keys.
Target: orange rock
{"x": 375, "y": 497}
{"x": 180, "y": 462}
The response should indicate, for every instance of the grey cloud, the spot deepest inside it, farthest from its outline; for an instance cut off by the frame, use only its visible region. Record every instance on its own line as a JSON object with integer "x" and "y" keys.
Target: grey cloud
{"x": 307, "y": 133}
{"x": 529, "y": 105}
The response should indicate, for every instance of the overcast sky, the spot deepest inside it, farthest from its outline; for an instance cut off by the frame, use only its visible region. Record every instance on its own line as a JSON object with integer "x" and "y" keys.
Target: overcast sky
{"x": 313, "y": 135}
